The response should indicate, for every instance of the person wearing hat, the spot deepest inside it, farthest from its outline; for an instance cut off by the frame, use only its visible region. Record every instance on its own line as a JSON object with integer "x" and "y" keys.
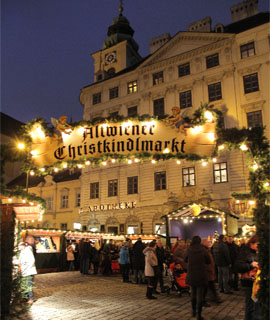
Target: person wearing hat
{"x": 27, "y": 268}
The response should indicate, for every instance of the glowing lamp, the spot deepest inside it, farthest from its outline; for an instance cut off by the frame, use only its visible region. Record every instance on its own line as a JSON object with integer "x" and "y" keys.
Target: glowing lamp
{"x": 167, "y": 150}
{"x": 129, "y": 161}
{"x": 204, "y": 163}
{"x": 104, "y": 163}
{"x": 178, "y": 162}
{"x": 196, "y": 129}
{"x": 32, "y": 173}
{"x": 208, "y": 116}
{"x": 251, "y": 202}
{"x": 153, "y": 161}
{"x": 9, "y": 199}
{"x": 221, "y": 147}
{"x": 185, "y": 220}
{"x": 243, "y": 147}
{"x": 65, "y": 165}
{"x": 267, "y": 184}
{"x": 214, "y": 159}
{"x": 136, "y": 160}
{"x": 21, "y": 146}
{"x": 113, "y": 160}
{"x": 211, "y": 136}
{"x": 56, "y": 169}
{"x": 79, "y": 166}
{"x": 42, "y": 169}
{"x": 255, "y": 166}
{"x": 34, "y": 153}
{"x": 81, "y": 130}
{"x": 87, "y": 162}
{"x": 195, "y": 209}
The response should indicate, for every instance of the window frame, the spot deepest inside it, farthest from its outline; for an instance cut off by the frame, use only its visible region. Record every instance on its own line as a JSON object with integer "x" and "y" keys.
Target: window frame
{"x": 64, "y": 200}
{"x": 185, "y": 67}
{"x": 158, "y": 78}
{"x": 255, "y": 123}
{"x": 49, "y": 203}
{"x": 134, "y": 114}
{"x": 94, "y": 190}
{"x": 248, "y": 49}
{"x": 220, "y": 170}
{"x": 156, "y": 105}
{"x": 132, "y": 87}
{"x": 114, "y": 93}
{"x": 160, "y": 180}
{"x": 113, "y": 188}
{"x": 212, "y": 60}
{"x": 77, "y": 199}
{"x": 216, "y": 96}
{"x": 132, "y": 185}
{"x": 188, "y": 174}
{"x": 96, "y": 98}
{"x": 62, "y": 227}
{"x": 247, "y": 83}
{"x": 188, "y": 99}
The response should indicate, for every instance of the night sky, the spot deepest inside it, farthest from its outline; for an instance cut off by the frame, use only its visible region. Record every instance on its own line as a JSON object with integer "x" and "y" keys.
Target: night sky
{"x": 46, "y": 45}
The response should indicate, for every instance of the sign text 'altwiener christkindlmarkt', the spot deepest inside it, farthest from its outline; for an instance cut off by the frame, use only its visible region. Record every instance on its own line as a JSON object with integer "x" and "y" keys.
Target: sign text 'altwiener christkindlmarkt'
{"x": 127, "y": 138}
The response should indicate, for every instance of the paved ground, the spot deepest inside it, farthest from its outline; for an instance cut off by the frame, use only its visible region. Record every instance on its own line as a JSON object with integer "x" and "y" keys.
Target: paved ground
{"x": 71, "y": 296}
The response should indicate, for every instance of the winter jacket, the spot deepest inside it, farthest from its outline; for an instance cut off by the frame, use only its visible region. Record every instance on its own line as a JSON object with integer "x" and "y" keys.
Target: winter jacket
{"x": 70, "y": 254}
{"x": 221, "y": 254}
{"x": 138, "y": 256}
{"x": 124, "y": 256}
{"x": 197, "y": 257}
{"x": 27, "y": 262}
{"x": 243, "y": 265}
{"x": 160, "y": 256}
{"x": 179, "y": 256}
{"x": 233, "y": 250}
{"x": 150, "y": 261}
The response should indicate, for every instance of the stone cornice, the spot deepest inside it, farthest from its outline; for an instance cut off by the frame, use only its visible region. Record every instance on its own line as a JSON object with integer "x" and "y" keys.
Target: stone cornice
{"x": 249, "y": 69}
{"x": 252, "y": 106}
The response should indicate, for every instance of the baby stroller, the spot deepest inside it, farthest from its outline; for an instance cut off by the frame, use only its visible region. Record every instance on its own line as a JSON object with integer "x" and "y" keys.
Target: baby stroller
{"x": 177, "y": 276}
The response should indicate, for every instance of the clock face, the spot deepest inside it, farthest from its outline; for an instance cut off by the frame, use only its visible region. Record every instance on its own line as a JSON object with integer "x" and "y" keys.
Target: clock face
{"x": 110, "y": 57}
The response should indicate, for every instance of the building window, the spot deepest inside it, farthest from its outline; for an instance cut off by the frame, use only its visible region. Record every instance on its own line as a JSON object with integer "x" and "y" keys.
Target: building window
{"x": 112, "y": 188}
{"x": 49, "y": 203}
{"x": 188, "y": 176}
{"x": 132, "y": 87}
{"x": 132, "y": 111}
{"x": 212, "y": 61}
{"x": 184, "y": 69}
{"x": 160, "y": 180}
{"x": 254, "y": 119}
{"x": 220, "y": 172}
{"x": 251, "y": 83}
{"x": 132, "y": 185}
{"x": 94, "y": 190}
{"x": 63, "y": 226}
{"x": 97, "y": 98}
{"x": 77, "y": 199}
{"x": 214, "y": 91}
{"x": 113, "y": 115}
{"x": 133, "y": 230}
{"x": 185, "y": 99}
{"x": 113, "y": 92}
{"x": 64, "y": 201}
{"x": 247, "y": 50}
{"x": 157, "y": 78}
{"x": 159, "y": 107}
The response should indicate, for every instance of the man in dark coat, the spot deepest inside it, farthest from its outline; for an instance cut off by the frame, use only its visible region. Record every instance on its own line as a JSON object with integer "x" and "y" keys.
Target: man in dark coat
{"x": 197, "y": 258}
{"x": 86, "y": 256}
{"x": 161, "y": 259}
{"x": 233, "y": 249}
{"x": 138, "y": 260}
{"x": 222, "y": 258}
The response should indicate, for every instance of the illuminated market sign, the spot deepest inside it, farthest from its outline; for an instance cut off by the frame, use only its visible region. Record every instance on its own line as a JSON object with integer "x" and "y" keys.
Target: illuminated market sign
{"x": 113, "y": 206}
{"x": 170, "y": 135}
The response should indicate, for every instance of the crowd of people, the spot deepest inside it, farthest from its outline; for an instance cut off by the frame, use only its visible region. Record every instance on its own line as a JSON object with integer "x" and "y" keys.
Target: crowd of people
{"x": 204, "y": 266}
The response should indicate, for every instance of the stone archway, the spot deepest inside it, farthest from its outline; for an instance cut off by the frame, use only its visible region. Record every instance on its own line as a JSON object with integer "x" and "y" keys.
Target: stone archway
{"x": 93, "y": 225}
{"x": 112, "y": 225}
{"x": 133, "y": 224}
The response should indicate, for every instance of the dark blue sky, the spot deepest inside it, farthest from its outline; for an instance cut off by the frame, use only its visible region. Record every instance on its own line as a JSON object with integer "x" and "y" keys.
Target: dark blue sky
{"x": 46, "y": 45}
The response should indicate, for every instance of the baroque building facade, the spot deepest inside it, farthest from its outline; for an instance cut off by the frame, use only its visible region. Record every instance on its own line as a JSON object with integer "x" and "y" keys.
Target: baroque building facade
{"x": 227, "y": 67}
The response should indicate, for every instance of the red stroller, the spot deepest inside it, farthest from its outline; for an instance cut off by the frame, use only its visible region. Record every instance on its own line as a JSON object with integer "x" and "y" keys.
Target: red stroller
{"x": 178, "y": 279}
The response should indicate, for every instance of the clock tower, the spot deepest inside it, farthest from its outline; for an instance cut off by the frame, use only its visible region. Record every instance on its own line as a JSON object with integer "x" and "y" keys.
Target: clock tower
{"x": 119, "y": 50}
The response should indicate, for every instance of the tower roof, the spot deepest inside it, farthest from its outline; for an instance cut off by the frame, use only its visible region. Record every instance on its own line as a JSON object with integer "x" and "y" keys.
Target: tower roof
{"x": 119, "y": 31}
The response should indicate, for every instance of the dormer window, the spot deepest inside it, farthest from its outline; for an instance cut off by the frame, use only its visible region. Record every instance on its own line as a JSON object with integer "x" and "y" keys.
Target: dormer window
{"x": 158, "y": 78}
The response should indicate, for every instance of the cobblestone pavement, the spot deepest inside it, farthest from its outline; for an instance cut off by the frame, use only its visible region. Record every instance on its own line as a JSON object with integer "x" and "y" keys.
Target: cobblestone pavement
{"x": 72, "y": 296}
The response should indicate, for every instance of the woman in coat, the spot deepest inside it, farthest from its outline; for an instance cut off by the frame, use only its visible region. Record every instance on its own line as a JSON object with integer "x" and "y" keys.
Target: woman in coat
{"x": 27, "y": 268}
{"x": 124, "y": 262}
{"x": 247, "y": 265}
{"x": 197, "y": 258}
{"x": 151, "y": 262}
{"x": 70, "y": 257}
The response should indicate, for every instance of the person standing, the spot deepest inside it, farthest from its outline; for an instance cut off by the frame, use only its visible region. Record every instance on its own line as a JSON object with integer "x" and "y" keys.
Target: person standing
{"x": 27, "y": 268}
{"x": 197, "y": 258}
{"x": 247, "y": 265}
{"x": 151, "y": 262}
{"x": 161, "y": 259}
{"x": 85, "y": 256}
{"x": 222, "y": 258}
{"x": 233, "y": 274}
{"x": 70, "y": 257}
{"x": 138, "y": 261}
{"x": 124, "y": 262}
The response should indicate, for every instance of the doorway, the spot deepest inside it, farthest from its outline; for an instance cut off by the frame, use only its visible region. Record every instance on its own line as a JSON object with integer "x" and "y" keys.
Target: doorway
{"x": 113, "y": 230}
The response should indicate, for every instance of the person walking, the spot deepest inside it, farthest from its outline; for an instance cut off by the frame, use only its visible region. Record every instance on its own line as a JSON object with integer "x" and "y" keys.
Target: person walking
{"x": 124, "y": 262}
{"x": 27, "y": 268}
{"x": 197, "y": 258}
{"x": 222, "y": 259}
{"x": 138, "y": 261}
{"x": 151, "y": 262}
{"x": 247, "y": 265}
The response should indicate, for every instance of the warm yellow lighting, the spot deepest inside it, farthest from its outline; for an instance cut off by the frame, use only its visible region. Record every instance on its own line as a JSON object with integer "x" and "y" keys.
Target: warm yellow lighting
{"x": 65, "y": 165}
{"x": 32, "y": 173}
{"x": 221, "y": 147}
{"x": 251, "y": 202}
{"x": 87, "y": 163}
{"x": 23, "y": 201}
{"x": 9, "y": 199}
{"x": 104, "y": 125}
{"x": 37, "y": 132}
{"x": 126, "y": 124}
{"x": 153, "y": 161}
{"x": 237, "y": 201}
{"x": 211, "y": 136}
{"x": 31, "y": 203}
{"x": 219, "y": 219}
{"x": 34, "y": 153}
{"x": 178, "y": 162}
{"x": 208, "y": 116}
{"x": 129, "y": 161}
{"x": 196, "y": 129}
{"x": 167, "y": 150}
{"x": 136, "y": 160}
{"x": 21, "y": 145}
{"x": 267, "y": 184}
{"x": 56, "y": 169}
{"x": 79, "y": 166}
{"x": 149, "y": 124}
{"x": 243, "y": 147}
{"x": 81, "y": 130}
{"x": 255, "y": 166}
{"x": 104, "y": 163}
{"x": 42, "y": 169}
{"x": 214, "y": 159}
{"x": 204, "y": 163}
{"x": 113, "y": 160}
{"x": 185, "y": 220}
